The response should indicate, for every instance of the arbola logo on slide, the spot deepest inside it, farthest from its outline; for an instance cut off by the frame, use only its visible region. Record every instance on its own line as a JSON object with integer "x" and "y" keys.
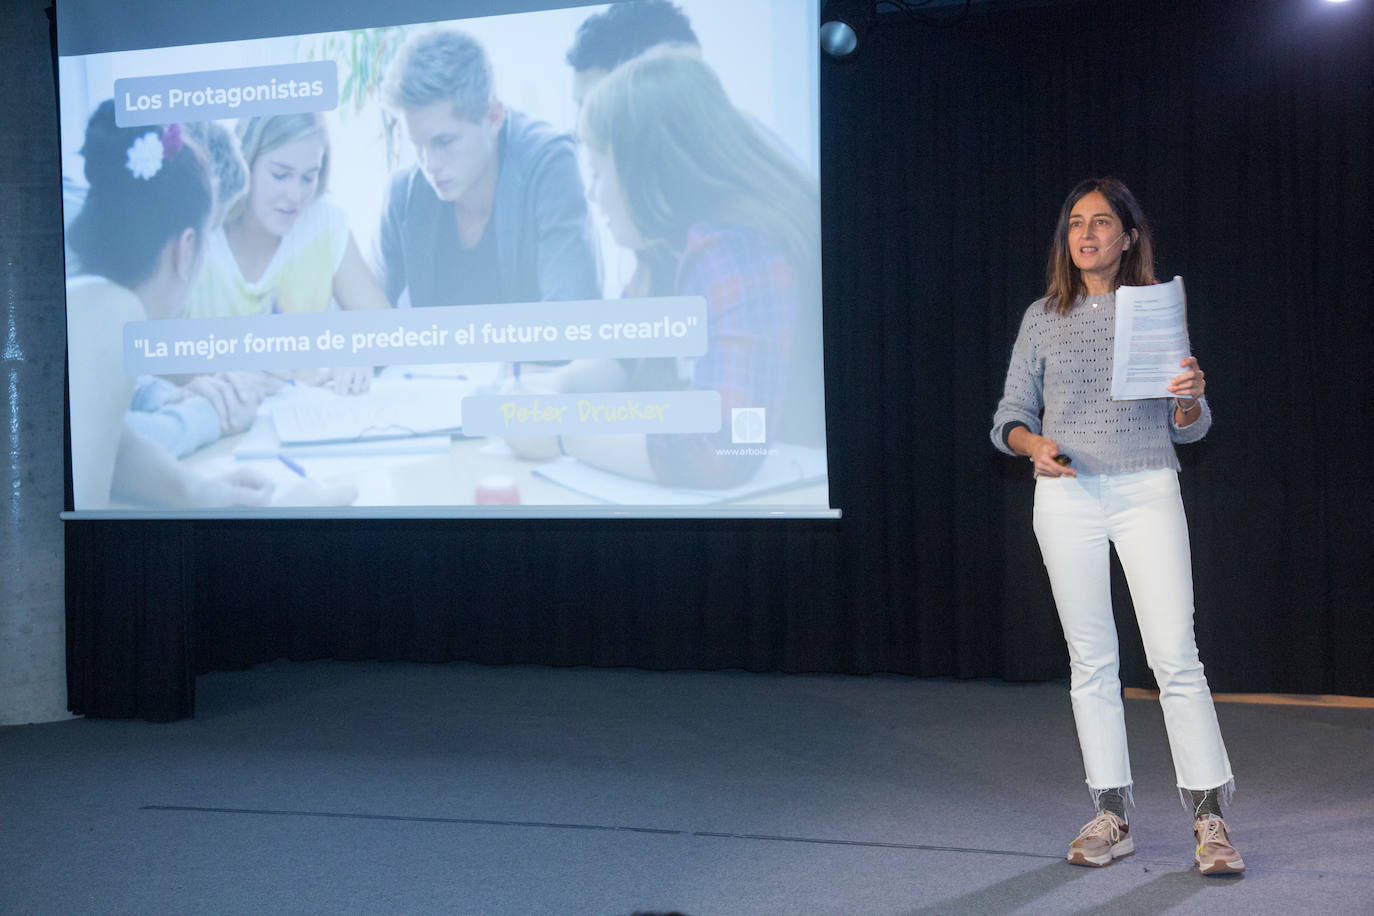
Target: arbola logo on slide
{"x": 748, "y": 424}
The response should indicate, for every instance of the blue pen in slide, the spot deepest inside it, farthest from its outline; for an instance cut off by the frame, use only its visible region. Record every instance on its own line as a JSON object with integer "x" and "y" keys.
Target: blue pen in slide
{"x": 296, "y": 468}
{"x": 460, "y": 377}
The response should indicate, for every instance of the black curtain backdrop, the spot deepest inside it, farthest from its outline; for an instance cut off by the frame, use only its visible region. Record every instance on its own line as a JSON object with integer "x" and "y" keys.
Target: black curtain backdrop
{"x": 1245, "y": 129}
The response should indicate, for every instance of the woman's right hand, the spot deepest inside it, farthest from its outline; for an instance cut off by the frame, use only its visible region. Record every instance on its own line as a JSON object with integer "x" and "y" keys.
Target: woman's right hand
{"x": 1043, "y": 451}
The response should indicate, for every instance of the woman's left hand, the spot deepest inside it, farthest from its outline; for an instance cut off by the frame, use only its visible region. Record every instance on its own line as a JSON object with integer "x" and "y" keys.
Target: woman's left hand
{"x": 1190, "y": 384}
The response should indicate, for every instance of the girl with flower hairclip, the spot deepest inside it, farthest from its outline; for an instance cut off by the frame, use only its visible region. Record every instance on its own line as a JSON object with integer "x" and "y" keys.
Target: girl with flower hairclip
{"x": 139, "y": 237}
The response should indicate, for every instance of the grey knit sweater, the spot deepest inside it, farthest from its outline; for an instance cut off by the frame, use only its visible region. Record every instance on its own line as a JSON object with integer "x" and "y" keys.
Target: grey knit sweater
{"x": 1058, "y": 385}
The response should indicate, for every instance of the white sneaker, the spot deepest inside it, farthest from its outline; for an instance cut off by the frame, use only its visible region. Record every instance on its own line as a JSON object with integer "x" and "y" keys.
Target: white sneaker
{"x": 1102, "y": 840}
{"x": 1214, "y": 854}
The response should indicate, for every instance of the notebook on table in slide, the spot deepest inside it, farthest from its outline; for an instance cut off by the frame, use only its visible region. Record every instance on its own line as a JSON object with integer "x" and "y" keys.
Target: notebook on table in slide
{"x": 392, "y": 409}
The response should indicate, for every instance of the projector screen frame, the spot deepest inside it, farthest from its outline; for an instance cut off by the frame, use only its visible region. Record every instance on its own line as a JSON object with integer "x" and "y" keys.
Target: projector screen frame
{"x": 145, "y": 25}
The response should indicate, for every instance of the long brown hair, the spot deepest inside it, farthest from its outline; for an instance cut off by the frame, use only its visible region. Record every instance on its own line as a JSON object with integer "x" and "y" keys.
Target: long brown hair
{"x": 1063, "y": 280}
{"x": 684, "y": 154}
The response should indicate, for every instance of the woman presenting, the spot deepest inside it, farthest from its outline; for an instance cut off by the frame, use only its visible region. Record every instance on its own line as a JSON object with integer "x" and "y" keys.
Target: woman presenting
{"x": 1106, "y": 471}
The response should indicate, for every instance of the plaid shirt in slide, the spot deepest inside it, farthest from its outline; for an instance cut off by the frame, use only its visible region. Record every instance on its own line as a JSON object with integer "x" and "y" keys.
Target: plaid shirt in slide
{"x": 752, "y": 298}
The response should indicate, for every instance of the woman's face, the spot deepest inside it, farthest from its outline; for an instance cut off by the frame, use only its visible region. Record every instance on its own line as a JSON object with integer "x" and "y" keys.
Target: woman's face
{"x": 609, "y": 197}
{"x": 282, "y": 181}
{"x": 1096, "y": 237}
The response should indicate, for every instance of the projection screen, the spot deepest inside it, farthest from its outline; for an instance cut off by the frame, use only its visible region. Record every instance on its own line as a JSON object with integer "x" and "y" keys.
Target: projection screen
{"x": 348, "y": 258}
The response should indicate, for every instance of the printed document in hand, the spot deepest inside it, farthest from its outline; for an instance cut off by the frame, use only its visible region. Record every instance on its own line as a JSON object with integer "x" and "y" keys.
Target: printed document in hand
{"x": 1151, "y": 340}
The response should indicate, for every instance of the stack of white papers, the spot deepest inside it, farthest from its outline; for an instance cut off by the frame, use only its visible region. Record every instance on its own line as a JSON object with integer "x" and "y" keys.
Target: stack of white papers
{"x": 1151, "y": 339}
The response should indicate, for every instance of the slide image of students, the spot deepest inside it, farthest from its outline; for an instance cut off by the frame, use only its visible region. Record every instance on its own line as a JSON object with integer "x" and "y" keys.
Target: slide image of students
{"x": 140, "y": 238}
{"x": 1106, "y": 473}
{"x": 495, "y": 210}
{"x": 446, "y": 172}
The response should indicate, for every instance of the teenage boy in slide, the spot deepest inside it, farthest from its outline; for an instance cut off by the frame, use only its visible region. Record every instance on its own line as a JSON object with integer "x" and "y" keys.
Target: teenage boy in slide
{"x": 495, "y": 210}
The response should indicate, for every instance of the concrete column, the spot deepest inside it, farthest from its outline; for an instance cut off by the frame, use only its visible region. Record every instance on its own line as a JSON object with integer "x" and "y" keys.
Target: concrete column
{"x": 33, "y": 674}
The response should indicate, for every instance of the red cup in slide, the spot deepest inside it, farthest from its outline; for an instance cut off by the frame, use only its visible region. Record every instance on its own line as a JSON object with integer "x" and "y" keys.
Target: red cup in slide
{"x": 497, "y": 490}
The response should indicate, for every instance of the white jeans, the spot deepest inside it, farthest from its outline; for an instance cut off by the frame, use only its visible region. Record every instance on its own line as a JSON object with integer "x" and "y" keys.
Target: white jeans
{"x": 1142, "y": 514}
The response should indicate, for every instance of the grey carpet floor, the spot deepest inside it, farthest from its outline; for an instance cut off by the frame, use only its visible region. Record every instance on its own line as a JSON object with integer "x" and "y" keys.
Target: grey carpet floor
{"x": 336, "y": 787}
